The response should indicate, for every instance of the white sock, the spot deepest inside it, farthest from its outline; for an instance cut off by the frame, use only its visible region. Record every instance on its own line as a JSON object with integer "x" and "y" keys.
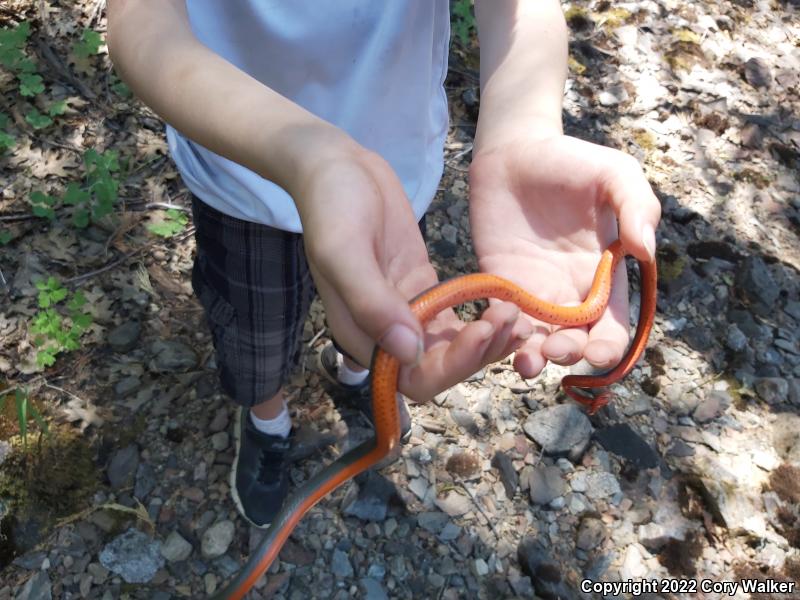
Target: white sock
{"x": 280, "y": 425}
{"x": 348, "y": 376}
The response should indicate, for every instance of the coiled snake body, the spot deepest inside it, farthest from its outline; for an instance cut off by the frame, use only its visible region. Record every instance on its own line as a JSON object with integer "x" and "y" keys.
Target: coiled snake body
{"x": 385, "y": 369}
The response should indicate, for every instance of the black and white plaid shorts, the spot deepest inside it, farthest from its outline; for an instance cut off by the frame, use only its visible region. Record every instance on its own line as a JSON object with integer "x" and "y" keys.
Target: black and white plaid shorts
{"x": 255, "y": 286}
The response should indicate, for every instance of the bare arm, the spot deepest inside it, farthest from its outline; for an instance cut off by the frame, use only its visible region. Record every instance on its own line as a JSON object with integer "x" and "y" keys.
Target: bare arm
{"x": 523, "y": 69}
{"x": 210, "y": 100}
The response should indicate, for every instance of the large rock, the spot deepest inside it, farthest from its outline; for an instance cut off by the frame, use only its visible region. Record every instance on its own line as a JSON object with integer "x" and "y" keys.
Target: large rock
{"x": 623, "y": 441}
{"x": 374, "y": 495}
{"x": 172, "y": 356}
{"x": 546, "y": 484}
{"x": 134, "y": 556}
{"x": 562, "y": 429}
{"x": 37, "y": 588}
{"x": 217, "y": 539}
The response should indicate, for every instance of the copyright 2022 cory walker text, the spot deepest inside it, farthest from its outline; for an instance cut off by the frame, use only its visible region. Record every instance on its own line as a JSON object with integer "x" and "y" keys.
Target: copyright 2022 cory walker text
{"x": 688, "y": 586}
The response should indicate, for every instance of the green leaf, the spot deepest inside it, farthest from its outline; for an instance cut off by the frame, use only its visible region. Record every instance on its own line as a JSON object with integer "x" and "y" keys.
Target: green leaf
{"x": 77, "y": 301}
{"x": 5, "y": 237}
{"x": 82, "y": 320}
{"x": 80, "y": 218}
{"x": 39, "y": 420}
{"x": 119, "y": 88}
{"x": 6, "y": 140}
{"x": 22, "y": 414}
{"x": 38, "y": 197}
{"x": 57, "y": 108}
{"x": 45, "y": 358}
{"x": 30, "y": 84}
{"x": 37, "y": 120}
{"x": 89, "y": 45}
{"x": 75, "y": 195}
{"x": 44, "y": 212}
{"x": 3, "y": 120}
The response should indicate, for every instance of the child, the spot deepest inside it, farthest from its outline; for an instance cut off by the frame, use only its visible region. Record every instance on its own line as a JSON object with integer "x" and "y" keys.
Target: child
{"x": 311, "y": 136}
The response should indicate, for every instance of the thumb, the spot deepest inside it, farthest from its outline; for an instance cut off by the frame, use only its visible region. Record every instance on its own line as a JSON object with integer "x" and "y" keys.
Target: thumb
{"x": 636, "y": 206}
{"x": 375, "y": 305}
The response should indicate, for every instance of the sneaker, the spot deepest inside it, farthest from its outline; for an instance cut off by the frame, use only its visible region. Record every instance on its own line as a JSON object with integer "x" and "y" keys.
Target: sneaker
{"x": 358, "y": 396}
{"x": 260, "y": 473}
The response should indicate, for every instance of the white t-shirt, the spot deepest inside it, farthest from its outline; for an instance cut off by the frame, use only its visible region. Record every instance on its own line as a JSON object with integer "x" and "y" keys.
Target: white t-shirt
{"x": 374, "y": 69}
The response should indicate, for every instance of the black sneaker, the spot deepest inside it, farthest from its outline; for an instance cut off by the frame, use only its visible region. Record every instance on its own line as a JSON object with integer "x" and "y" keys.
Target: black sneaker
{"x": 358, "y": 396}
{"x": 260, "y": 473}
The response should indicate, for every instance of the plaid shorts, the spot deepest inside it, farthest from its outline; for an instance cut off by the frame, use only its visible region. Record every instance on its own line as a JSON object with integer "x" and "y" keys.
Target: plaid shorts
{"x": 255, "y": 287}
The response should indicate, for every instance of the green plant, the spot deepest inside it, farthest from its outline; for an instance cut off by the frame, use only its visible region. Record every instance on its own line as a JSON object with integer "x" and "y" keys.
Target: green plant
{"x": 89, "y": 44}
{"x": 173, "y": 222}
{"x": 6, "y": 139}
{"x": 5, "y": 237}
{"x": 92, "y": 200}
{"x": 12, "y": 44}
{"x": 25, "y": 410}
{"x": 55, "y": 333}
{"x": 462, "y": 21}
{"x": 118, "y": 86}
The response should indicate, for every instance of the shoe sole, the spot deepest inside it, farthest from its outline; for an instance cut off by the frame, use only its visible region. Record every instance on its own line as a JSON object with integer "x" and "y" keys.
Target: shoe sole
{"x": 232, "y": 480}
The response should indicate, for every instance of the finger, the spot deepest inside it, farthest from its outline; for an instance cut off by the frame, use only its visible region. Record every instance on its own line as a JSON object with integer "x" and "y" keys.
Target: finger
{"x": 565, "y": 346}
{"x": 638, "y": 210}
{"x": 376, "y": 307}
{"x": 529, "y": 360}
{"x": 444, "y": 365}
{"x": 508, "y": 326}
{"x": 608, "y": 338}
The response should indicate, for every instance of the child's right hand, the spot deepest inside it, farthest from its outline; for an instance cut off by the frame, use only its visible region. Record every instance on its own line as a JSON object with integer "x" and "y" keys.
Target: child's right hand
{"x": 368, "y": 259}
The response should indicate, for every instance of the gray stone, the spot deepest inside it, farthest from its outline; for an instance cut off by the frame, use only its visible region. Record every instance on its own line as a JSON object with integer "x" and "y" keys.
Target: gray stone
{"x": 340, "y": 564}
{"x": 591, "y": 534}
{"x": 145, "y": 481}
{"x": 372, "y": 501}
{"x": 772, "y": 390}
{"x": 544, "y": 571}
{"x": 757, "y": 73}
{"x": 794, "y": 393}
{"x": 122, "y": 468}
{"x": 433, "y": 521}
{"x": 37, "y": 588}
{"x": 123, "y": 338}
{"x": 508, "y": 475}
{"x": 450, "y": 532}
{"x": 712, "y": 406}
{"x": 546, "y": 484}
{"x": 453, "y": 504}
{"x": 134, "y": 556}
{"x": 126, "y": 386}
{"x": 754, "y": 282}
{"x": 220, "y": 420}
{"x": 172, "y": 356}
{"x": 465, "y": 420}
{"x": 175, "y": 548}
{"x": 217, "y": 539}
{"x": 735, "y": 339}
{"x": 623, "y": 441}
{"x": 220, "y": 441}
{"x": 562, "y": 429}
{"x": 595, "y": 485}
{"x": 373, "y": 589}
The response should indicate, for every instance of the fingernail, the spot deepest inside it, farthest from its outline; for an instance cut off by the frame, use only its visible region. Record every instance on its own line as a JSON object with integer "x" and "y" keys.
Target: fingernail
{"x": 402, "y": 343}
{"x": 524, "y": 335}
{"x": 649, "y": 240}
{"x": 559, "y": 359}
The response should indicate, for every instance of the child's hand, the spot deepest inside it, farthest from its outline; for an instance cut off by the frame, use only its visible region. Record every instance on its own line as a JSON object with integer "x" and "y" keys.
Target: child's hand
{"x": 542, "y": 212}
{"x": 368, "y": 259}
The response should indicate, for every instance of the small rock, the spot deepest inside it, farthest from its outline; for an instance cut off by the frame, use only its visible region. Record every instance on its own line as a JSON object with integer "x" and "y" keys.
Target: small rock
{"x": 633, "y": 566}
{"x": 340, "y": 564}
{"x": 217, "y": 539}
{"x": 757, "y": 73}
{"x": 124, "y": 337}
{"x": 126, "y": 386}
{"x": 373, "y": 589}
{"x": 508, "y": 474}
{"x": 433, "y": 521}
{"x": 735, "y": 339}
{"x": 220, "y": 441}
{"x": 375, "y": 492}
{"x": 134, "y": 556}
{"x": 453, "y": 504}
{"x": 752, "y": 136}
{"x": 545, "y": 573}
{"x": 613, "y": 95}
{"x": 595, "y": 485}
{"x": 623, "y": 441}
{"x": 175, "y": 548}
{"x": 465, "y": 420}
{"x": 220, "y": 420}
{"x": 122, "y": 468}
{"x": 711, "y": 406}
{"x": 172, "y": 356}
{"x": 591, "y": 534}
{"x": 145, "y": 481}
{"x": 754, "y": 282}
{"x": 772, "y": 390}
{"x": 480, "y": 567}
{"x": 449, "y": 532}
{"x": 450, "y": 233}
{"x": 546, "y": 484}
{"x": 560, "y": 429}
{"x": 37, "y": 587}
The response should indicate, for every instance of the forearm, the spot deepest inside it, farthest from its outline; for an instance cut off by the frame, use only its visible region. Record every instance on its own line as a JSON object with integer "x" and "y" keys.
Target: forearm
{"x": 210, "y": 100}
{"x": 523, "y": 69}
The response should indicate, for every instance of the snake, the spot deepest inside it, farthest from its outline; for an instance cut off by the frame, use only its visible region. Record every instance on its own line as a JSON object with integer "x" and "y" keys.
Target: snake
{"x": 385, "y": 369}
